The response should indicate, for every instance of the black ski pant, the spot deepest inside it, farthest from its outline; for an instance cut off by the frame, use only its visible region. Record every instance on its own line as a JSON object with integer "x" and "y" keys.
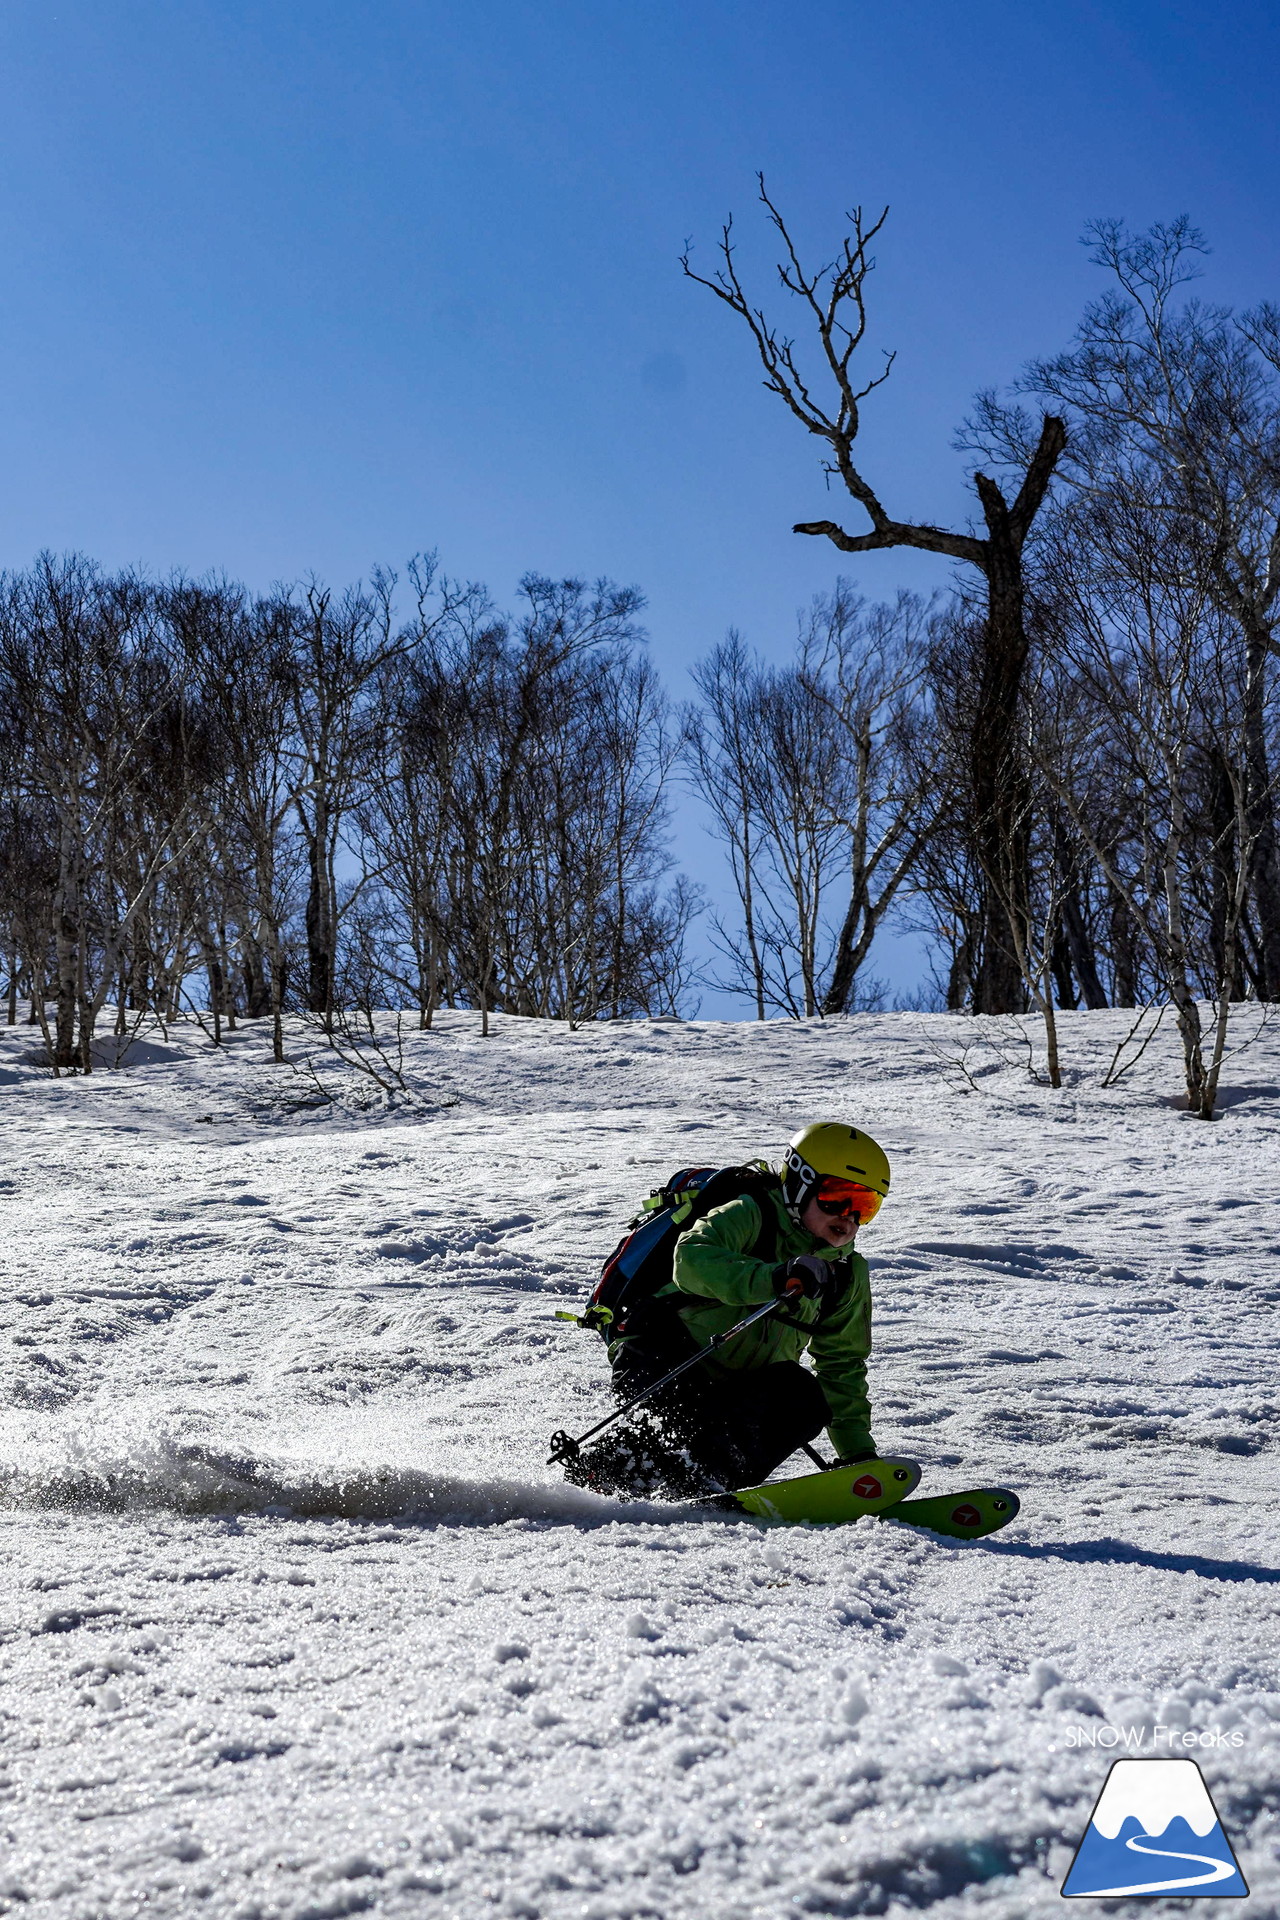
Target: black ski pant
{"x": 733, "y": 1427}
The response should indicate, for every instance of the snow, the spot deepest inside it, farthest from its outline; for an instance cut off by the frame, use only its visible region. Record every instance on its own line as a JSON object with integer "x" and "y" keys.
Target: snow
{"x": 1153, "y": 1796}
{"x": 297, "y": 1623}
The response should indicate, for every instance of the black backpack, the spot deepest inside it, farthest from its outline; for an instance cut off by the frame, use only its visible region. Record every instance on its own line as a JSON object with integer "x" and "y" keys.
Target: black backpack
{"x": 640, "y": 1266}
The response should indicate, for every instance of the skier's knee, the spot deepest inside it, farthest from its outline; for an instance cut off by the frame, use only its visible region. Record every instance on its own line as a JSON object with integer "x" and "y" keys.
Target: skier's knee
{"x": 811, "y": 1408}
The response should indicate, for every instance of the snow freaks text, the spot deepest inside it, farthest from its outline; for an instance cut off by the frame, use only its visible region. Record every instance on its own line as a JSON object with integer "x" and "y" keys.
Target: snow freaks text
{"x": 1171, "y": 1739}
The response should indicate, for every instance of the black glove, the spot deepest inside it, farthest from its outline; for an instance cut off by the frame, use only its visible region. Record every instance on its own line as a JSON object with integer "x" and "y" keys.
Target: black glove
{"x": 809, "y": 1277}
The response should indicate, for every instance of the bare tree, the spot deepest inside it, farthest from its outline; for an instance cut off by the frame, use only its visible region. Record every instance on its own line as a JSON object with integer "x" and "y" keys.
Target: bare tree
{"x": 1179, "y": 404}
{"x": 723, "y": 751}
{"x": 791, "y": 779}
{"x": 591, "y": 817}
{"x": 833, "y": 299}
{"x": 246, "y": 672}
{"x": 805, "y": 771}
{"x": 1141, "y": 631}
{"x": 339, "y": 647}
{"x": 28, "y": 863}
{"x": 407, "y": 819}
{"x": 864, "y": 667}
{"x": 562, "y": 621}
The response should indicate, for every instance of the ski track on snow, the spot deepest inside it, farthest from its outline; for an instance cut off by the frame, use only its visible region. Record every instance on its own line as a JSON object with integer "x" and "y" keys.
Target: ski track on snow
{"x": 297, "y": 1623}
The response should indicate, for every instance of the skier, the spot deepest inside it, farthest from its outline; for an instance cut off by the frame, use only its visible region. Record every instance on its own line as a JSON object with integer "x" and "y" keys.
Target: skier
{"x": 729, "y": 1421}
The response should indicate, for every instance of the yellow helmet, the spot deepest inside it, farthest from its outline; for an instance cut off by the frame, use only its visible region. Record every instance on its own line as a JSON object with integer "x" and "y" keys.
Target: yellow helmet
{"x": 829, "y": 1149}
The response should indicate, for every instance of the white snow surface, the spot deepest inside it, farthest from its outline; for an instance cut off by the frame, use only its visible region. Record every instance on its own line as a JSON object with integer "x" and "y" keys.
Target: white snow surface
{"x": 297, "y": 1623}
{"x": 1154, "y": 1793}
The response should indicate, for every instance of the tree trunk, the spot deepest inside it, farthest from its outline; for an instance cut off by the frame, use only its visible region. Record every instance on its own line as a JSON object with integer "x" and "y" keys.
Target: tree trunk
{"x": 66, "y": 919}
{"x": 228, "y": 983}
{"x": 849, "y": 955}
{"x": 1224, "y": 912}
{"x": 960, "y": 973}
{"x": 997, "y": 772}
{"x": 855, "y": 935}
{"x": 1060, "y": 967}
{"x": 749, "y": 915}
{"x": 1051, "y": 1036}
{"x": 256, "y": 970}
{"x": 1177, "y": 970}
{"x": 1260, "y": 813}
{"x": 425, "y": 953}
{"x": 1124, "y": 950}
{"x": 1079, "y": 957}
{"x": 1080, "y": 947}
{"x": 213, "y": 970}
{"x": 278, "y": 971}
{"x": 87, "y": 1008}
{"x": 319, "y": 919}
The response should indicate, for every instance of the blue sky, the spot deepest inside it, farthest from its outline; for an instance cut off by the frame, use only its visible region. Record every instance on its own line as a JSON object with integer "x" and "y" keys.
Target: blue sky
{"x": 297, "y": 287}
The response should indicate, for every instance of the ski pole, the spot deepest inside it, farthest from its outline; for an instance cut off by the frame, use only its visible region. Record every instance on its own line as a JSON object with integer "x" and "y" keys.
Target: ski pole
{"x": 565, "y": 1447}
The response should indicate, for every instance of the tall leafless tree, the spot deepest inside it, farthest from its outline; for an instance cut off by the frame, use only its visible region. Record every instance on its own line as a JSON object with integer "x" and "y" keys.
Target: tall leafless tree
{"x": 828, "y": 405}
{"x": 339, "y": 647}
{"x": 864, "y": 667}
{"x": 723, "y": 751}
{"x": 806, "y": 772}
{"x": 1177, "y": 401}
{"x": 247, "y": 677}
{"x": 1142, "y": 697}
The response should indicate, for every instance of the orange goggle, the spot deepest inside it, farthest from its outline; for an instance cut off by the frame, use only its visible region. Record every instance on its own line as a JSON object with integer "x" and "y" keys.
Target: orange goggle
{"x": 835, "y": 1196}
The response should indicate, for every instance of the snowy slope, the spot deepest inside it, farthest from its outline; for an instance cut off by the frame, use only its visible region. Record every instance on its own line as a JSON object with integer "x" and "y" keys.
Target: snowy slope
{"x": 297, "y": 1623}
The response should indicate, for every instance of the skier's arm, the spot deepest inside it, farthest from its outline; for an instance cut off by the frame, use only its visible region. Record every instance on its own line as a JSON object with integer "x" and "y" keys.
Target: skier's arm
{"x": 839, "y": 1345}
{"x": 712, "y": 1259}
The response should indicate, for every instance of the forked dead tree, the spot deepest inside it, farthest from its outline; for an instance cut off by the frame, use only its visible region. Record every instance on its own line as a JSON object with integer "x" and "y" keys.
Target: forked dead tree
{"x": 828, "y": 404}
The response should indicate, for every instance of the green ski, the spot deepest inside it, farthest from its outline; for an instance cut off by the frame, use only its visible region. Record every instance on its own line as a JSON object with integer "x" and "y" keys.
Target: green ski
{"x": 962, "y": 1516}
{"x": 883, "y": 1488}
{"x": 840, "y": 1493}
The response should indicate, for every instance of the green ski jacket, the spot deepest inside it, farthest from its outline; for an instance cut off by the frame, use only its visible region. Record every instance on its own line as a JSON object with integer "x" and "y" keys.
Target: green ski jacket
{"x": 722, "y": 1281}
